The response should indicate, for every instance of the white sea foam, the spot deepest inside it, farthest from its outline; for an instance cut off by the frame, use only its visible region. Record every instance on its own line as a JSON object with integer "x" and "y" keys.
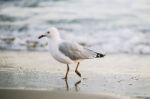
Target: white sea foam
{"x": 113, "y": 26}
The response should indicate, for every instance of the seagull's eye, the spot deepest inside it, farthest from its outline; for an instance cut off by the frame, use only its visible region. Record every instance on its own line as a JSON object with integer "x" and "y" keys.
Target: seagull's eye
{"x": 48, "y": 32}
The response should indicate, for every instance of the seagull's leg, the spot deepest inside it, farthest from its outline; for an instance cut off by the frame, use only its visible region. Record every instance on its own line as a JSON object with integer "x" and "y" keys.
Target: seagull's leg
{"x": 76, "y": 70}
{"x": 66, "y": 72}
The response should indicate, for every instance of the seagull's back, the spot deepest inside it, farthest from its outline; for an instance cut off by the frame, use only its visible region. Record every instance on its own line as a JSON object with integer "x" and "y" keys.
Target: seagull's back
{"x": 75, "y": 51}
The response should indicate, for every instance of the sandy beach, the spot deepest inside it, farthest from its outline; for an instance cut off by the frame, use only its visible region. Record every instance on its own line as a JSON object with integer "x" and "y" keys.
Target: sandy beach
{"x": 34, "y": 73}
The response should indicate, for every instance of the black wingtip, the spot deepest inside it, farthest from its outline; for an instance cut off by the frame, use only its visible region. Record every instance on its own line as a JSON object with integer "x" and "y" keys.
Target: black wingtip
{"x": 99, "y": 55}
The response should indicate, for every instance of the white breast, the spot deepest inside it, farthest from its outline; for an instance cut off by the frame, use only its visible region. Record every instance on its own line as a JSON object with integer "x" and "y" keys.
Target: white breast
{"x": 54, "y": 50}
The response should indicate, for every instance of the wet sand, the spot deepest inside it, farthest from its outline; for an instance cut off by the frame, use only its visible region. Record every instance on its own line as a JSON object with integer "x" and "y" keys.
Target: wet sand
{"x": 37, "y": 74}
{"x": 34, "y": 94}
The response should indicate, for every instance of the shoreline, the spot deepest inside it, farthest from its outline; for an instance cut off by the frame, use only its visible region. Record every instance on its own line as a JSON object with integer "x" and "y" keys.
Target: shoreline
{"x": 125, "y": 75}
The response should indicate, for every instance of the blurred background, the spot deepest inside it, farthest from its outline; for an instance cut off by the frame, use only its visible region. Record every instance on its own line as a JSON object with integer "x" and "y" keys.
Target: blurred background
{"x": 110, "y": 26}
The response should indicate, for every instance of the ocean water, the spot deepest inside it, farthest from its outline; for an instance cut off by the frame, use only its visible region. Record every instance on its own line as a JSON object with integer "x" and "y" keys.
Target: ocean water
{"x": 109, "y": 26}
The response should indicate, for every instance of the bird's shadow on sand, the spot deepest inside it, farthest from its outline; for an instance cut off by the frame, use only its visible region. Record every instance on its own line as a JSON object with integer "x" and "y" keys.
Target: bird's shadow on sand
{"x": 76, "y": 85}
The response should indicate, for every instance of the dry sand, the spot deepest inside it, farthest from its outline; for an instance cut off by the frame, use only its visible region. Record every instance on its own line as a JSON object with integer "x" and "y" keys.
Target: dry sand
{"x": 37, "y": 74}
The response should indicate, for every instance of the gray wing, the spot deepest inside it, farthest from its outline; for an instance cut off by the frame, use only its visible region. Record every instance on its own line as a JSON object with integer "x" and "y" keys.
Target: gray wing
{"x": 75, "y": 51}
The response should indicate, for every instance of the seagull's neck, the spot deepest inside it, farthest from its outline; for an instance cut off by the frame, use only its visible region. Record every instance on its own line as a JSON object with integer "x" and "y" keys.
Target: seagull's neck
{"x": 53, "y": 44}
{"x": 54, "y": 41}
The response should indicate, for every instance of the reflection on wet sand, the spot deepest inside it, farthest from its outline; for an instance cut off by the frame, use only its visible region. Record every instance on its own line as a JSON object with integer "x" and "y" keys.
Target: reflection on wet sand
{"x": 76, "y": 85}
{"x": 67, "y": 86}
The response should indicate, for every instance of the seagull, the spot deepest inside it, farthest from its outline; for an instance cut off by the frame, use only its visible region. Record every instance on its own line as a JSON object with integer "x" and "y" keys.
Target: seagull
{"x": 67, "y": 52}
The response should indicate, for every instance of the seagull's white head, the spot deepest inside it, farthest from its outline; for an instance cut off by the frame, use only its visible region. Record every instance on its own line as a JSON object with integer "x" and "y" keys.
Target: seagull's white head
{"x": 52, "y": 33}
